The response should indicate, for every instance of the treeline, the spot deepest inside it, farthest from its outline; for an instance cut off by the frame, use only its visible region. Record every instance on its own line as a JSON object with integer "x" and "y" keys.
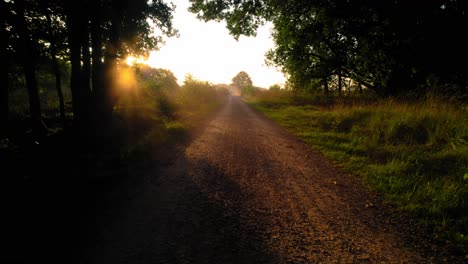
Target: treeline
{"x": 89, "y": 37}
{"x": 392, "y": 47}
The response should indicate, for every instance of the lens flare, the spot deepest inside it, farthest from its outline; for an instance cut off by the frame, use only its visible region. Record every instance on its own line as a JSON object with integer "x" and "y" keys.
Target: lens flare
{"x": 125, "y": 78}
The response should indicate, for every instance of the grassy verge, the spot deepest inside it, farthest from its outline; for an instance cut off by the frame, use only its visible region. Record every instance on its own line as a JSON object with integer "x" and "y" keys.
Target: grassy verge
{"x": 415, "y": 154}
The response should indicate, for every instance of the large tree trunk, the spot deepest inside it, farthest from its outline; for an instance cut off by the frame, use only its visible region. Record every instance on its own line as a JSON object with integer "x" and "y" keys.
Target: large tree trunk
{"x": 56, "y": 68}
{"x": 28, "y": 61}
{"x": 4, "y": 69}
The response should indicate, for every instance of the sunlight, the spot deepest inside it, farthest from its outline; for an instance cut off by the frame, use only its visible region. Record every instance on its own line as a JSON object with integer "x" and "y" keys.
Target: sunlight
{"x": 125, "y": 78}
{"x": 207, "y": 51}
{"x": 131, "y": 60}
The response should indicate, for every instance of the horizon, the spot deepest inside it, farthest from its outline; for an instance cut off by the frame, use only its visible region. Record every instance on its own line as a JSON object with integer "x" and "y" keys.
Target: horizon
{"x": 206, "y": 51}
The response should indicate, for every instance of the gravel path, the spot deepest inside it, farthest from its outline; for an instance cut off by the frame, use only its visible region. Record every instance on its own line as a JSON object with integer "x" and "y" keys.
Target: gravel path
{"x": 245, "y": 191}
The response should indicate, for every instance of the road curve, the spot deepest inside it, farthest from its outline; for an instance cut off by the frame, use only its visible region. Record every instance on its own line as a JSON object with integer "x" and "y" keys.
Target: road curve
{"x": 245, "y": 191}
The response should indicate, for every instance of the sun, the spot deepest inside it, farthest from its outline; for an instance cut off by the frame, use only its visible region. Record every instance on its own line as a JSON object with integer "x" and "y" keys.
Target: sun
{"x": 131, "y": 60}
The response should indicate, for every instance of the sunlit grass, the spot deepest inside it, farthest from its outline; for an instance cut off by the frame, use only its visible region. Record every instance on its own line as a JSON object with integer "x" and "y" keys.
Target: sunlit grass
{"x": 415, "y": 154}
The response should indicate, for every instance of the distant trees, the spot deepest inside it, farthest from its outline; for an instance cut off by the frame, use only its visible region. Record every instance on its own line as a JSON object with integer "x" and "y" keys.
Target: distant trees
{"x": 91, "y": 36}
{"x": 242, "y": 80}
{"x": 275, "y": 87}
{"x": 243, "y": 83}
{"x": 391, "y": 47}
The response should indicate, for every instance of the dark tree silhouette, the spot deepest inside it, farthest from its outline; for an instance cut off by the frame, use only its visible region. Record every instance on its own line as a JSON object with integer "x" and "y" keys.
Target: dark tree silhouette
{"x": 91, "y": 36}
{"x": 27, "y": 50}
{"x": 392, "y": 47}
{"x": 4, "y": 67}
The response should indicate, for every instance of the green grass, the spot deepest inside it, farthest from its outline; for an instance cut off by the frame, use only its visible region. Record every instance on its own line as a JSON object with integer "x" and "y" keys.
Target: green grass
{"x": 415, "y": 155}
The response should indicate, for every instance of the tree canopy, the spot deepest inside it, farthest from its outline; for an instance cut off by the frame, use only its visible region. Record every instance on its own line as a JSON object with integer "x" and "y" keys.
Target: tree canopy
{"x": 92, "y": 37}
{"x": 391, "y": 47}
{"x": 242, "y": 80}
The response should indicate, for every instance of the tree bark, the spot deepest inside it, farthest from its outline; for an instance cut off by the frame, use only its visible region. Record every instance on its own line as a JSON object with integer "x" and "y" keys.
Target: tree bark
{"x": 28, "y": 63}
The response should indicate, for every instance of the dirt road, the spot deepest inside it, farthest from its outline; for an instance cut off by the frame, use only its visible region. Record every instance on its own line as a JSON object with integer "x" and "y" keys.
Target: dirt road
{"x": 244, "y": 191}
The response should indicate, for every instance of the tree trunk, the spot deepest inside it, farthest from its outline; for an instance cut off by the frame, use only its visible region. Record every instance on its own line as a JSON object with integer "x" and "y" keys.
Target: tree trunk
{"x": 96, "y": 46}
{"x": 325, "y": 88}
{"x": 28, "y": 63}
{"x": 340, "y": 85}
{"x": 55, "y": 67}
{"x": 86, "y": 74}
{"x": 4, "y": 69}
{"x": 99, "y": 97}
{"x": 110, "y": 62}
{"x": 75, "y": 43}
{"x": 86, "y": 71}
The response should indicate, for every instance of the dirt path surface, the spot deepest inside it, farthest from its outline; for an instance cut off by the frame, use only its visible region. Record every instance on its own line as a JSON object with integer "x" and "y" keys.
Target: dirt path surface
{"x": 245, "y": 191}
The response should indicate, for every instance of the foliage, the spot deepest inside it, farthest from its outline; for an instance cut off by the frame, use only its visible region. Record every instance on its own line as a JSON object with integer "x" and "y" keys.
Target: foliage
{"x": 275, "y": 87}
{"x": 156, "y": 79}
{"x": 242, "y": 80}
{"x": 415, "y": 154}
{"x": 90, "y": 37}
{"x": 391, "y": 47}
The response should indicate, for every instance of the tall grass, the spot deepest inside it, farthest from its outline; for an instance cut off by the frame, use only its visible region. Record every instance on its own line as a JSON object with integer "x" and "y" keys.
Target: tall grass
{"x": 414, "y": 154}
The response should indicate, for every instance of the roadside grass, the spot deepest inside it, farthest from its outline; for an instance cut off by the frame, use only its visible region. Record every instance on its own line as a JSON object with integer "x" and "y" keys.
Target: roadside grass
{"x": 415, "y": 154}
{"x": 155, "y": 118}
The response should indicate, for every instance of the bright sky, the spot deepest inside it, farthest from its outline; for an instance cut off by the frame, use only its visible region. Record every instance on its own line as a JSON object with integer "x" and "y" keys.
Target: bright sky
{"x": 209, "y": 53}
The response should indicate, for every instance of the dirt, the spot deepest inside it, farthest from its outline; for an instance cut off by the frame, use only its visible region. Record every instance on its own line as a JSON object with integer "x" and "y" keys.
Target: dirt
{"x": 245, "y": 191}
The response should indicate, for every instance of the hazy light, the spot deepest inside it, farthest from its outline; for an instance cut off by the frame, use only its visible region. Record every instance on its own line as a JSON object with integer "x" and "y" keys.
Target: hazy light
{"x": 207, "y": 51}
{"x": 125, "y": 78}
{"x": 132, "y": 60}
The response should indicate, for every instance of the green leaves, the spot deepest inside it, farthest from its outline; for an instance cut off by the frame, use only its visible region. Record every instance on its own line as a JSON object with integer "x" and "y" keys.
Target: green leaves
{"x": 391, "y": 47}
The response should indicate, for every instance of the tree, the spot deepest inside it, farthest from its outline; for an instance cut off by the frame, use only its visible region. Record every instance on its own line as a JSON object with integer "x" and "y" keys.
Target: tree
{"x": 389, "y": 46}
{"x": 157, "y": 79}
{"x": 4, "y": 67}
{"x": 275, "y": 87}
{"x": 242, "y": 80}
{"x": 94, "y": 36}
{"x": 56, "y": 31}
{"x": 27, "y": 50}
